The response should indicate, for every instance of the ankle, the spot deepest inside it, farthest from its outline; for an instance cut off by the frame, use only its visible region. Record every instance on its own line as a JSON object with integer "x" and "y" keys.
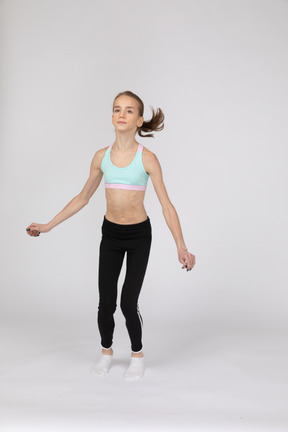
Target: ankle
{"x": 137, "y": 355}
{"x": 107, "y": 351}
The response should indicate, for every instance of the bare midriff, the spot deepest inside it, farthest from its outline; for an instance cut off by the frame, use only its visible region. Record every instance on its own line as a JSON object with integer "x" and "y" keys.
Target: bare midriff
{"x": 125, "y": 206}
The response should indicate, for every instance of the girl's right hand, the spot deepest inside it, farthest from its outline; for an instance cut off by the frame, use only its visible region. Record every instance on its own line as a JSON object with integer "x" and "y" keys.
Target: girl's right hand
{"x": 35, "y": 229}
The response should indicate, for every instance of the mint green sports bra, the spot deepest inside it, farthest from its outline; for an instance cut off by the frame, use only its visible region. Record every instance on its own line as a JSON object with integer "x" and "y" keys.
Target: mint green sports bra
{"x": 132, "y": 177}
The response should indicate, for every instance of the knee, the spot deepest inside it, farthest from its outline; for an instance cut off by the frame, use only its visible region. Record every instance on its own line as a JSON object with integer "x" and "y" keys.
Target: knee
{"x": 127, "y": 307}
{"x": 107, "y": 308}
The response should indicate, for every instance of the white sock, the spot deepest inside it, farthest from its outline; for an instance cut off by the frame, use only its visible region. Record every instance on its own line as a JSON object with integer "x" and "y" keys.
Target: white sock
{"x": 136, "y": 369}
{"x": 102, "y": 366}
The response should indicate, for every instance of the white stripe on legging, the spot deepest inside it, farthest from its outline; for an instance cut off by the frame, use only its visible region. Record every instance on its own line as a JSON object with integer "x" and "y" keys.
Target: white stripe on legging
{"x": 141, "y": 322}
{"x": 140, "y": 318}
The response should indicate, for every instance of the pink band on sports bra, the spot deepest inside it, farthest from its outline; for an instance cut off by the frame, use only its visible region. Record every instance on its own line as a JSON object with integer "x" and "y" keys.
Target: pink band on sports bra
{"x": 124, "y": 186}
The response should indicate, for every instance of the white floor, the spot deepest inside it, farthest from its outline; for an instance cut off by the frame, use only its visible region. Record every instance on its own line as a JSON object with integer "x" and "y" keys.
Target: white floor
{"x": 217, "y": 381}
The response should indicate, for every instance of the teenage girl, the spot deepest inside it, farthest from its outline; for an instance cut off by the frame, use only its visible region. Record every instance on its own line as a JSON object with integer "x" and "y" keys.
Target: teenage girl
{"x": 126, "y": 166}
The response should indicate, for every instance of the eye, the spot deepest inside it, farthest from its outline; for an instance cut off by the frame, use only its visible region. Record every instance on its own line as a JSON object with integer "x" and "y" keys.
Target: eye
{"x": 130, "y": 111}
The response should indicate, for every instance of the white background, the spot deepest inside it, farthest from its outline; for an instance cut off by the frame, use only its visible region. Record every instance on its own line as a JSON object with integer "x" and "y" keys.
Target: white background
{"x": 218, "y": 70}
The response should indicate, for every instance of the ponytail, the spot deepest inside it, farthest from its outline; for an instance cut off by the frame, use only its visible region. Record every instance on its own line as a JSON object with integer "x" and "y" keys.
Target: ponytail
{"x": 155, "y": 124}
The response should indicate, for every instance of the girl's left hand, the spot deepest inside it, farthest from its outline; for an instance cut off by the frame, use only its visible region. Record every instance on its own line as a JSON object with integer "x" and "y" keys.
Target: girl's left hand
{"x": 186, "y": 258}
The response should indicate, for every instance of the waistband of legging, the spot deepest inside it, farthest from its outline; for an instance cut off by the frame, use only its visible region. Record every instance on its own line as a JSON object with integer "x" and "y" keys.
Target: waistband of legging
{"x": 126, "y": 227}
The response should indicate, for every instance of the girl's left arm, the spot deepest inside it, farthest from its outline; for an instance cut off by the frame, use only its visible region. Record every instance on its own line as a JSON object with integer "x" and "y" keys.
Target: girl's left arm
{"x": 153, "y": 168}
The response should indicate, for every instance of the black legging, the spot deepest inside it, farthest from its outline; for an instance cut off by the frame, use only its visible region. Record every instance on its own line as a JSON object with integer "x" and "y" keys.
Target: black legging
{"x": 135, "y": 239}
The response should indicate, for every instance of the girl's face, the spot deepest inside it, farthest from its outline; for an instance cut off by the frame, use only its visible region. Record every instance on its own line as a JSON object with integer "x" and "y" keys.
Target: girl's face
{"x": 125, "y": 114}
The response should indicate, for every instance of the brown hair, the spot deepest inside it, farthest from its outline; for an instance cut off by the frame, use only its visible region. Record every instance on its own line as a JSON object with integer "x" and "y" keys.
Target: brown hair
{"x": 155, "y": 124}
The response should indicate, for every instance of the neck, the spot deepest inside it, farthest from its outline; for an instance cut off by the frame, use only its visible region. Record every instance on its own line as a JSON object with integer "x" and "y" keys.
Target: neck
{"x": 125, "y": 141}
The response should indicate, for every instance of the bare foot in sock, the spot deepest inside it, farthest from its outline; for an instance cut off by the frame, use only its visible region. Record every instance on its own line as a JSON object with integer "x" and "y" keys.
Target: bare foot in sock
{"x": 135, "y": 371}
{"x": 101, "y": 368}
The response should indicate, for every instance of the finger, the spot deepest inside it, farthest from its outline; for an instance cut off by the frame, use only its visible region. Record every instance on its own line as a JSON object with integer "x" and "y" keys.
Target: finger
{"x": 31, "y": 228}
{"x": 192, "y": 263}
{"x": 190, "y": 266}
{"x": 187, "y": 262}
{"x": 185, "y": 266}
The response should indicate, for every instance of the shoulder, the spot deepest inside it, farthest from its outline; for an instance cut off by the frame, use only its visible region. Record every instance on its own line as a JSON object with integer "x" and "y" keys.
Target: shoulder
{"x": 98, "y": 157}
{"x": 150, "y": 161}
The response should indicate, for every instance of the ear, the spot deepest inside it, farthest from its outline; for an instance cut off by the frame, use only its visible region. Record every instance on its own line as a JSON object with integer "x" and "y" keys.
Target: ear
{"x": 140, "y": 122}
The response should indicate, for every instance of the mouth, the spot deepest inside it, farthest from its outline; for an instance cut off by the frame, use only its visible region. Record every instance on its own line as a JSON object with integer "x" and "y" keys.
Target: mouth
{"x": 121, "y": 122}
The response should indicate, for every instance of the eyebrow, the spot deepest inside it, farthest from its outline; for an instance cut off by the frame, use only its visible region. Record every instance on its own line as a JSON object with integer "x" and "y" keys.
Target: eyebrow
{"x": 118, "y": 106}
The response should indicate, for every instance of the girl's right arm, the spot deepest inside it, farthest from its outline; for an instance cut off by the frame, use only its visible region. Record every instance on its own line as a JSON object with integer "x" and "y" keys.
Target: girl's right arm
{"x": 78, "y": 202}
